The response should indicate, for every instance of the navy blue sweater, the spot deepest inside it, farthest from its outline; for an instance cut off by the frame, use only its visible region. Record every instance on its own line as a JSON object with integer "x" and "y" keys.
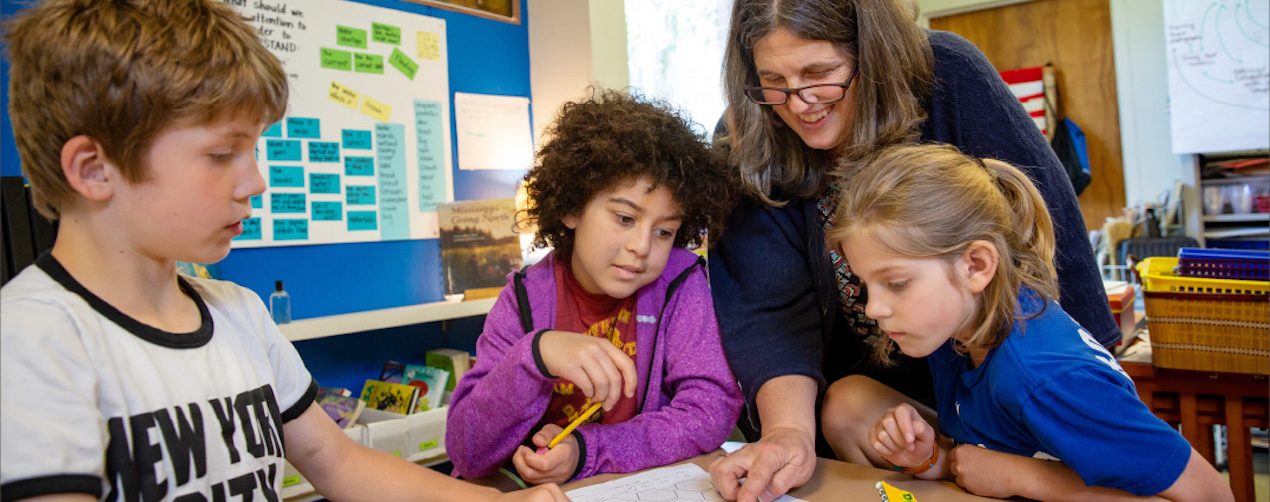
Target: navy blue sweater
{"x": 772, "y": 280}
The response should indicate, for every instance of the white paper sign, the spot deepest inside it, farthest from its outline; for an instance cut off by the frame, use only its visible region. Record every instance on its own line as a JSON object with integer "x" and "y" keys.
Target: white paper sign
{"x": 1219, "y": 74}
{"x": 493, "y": 131}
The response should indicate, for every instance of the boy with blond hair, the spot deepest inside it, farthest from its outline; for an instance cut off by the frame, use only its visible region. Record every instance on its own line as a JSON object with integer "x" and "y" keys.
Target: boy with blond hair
{"x": 136, "y": 122}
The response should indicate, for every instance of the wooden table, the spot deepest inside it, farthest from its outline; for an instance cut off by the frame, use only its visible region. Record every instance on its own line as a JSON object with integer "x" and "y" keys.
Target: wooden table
{"x": 1199, "y": 400}
{"x": 837, "y": 481}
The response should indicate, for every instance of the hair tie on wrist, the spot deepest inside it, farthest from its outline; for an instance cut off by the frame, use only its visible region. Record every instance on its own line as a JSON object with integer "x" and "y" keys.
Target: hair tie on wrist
{"x": 925, "y": 466}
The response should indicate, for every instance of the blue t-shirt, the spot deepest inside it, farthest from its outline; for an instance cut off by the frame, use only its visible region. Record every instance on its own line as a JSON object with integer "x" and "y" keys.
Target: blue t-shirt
{"x": 1051, "y": 391}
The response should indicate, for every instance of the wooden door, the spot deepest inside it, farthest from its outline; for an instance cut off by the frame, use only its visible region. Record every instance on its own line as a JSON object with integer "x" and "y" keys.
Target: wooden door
{"x": 1074, "y": 35}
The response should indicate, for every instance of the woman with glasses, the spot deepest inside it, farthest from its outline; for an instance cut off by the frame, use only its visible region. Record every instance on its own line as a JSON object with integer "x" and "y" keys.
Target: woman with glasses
{"x": 815, "y": 87}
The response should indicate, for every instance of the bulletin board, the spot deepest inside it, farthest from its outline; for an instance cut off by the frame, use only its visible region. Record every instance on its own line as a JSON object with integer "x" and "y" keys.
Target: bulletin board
{"x": 363, "y": 154}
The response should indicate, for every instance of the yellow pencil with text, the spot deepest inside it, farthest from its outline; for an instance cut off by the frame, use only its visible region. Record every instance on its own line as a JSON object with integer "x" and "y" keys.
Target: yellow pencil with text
{"x": 572, "y": 425}
{"x": 892, "y": 494}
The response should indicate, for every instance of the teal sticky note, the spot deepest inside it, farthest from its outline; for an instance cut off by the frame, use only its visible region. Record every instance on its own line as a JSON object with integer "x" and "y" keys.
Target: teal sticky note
{"x": 390, "y": 163}
{"x": 359, "y": 166}
{"x": 358, "y": 140}
{"x": 286, "y": 176}
{"x": 290, "y": 230}
{"x": 360, "y": 195}
{"x": 287, "y": 203}
{"x": 430, "y": 154}
{"x": 274, "y": 131}
{"x": 281, "y": 149}
{"x": 327, "y": 211}
{"x": 303, "y": 128}
{"x": 324, "y": 183}
{"x": 251, "y": 230}
{"x": 362, "y": 220}
{"x": 324, "y": 151}
{"x": 257, "y": 201}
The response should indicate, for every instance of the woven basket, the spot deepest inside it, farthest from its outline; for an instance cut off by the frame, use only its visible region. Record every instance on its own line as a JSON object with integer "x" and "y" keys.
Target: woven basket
{"x": 1206, "y": 324}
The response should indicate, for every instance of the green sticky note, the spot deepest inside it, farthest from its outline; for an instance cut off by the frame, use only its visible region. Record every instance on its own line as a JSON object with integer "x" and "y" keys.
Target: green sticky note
{"x": 337, "y": 60}
{"x": 350, "y": 37}
{"x": 402, "y": 63}
{"x": 385, "y": 33}
{"x": 368, "y": 63}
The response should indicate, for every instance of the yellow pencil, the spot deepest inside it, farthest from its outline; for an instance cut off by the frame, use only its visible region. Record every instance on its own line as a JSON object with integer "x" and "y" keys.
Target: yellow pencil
{"x": 574, "y": 425}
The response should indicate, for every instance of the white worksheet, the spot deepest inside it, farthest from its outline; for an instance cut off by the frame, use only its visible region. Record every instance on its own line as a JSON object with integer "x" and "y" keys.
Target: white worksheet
{"x": 686, "y": 482}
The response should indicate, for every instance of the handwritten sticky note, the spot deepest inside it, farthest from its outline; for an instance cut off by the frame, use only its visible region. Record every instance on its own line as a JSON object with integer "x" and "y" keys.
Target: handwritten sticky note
{"x": 280, "y": 149}
{"x": 324, "y": 183}
{"x": 385, "y": 33}
{"x": 343, "y": 95}
{"x": 290, "y": 230}
{"x": 359, "y": 166}
{"x": 360, "y": 195}
{"x": 362, "y": 220}
{"x": 350, "y": 37}
{"x": 376, "y": 110}
{"x": 427, "y": 45}
{"x": 257, "y": 201}
{"x": 251, "y": 230}
{"x": 327, "y": 211}
{"x": 286, "y": 176}
{"x": 287, "y": 202}
{"x": 303, "y": 128}
{"x": 274, "y": 131}
{"x": 403, "y": 63}
{"x": 337, "y": 60}
{"x": 324, "y": 151}
{"x": 356, "y": 139}
{"x": 368, "y": 63}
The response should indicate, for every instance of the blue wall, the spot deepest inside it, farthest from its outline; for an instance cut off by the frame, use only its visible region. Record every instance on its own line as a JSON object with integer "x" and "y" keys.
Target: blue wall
{"x": 485, "y": 57}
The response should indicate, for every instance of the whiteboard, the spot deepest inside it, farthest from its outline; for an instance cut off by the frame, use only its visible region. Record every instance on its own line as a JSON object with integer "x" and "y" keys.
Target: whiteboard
{"x": 1219, "y": 74}
{"x": 364, "y": 151}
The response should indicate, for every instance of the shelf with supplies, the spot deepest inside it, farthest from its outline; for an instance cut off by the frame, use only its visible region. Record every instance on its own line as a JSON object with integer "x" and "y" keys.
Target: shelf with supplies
{"x": 357, "y": 322}
{"x": 1234, "y": 199}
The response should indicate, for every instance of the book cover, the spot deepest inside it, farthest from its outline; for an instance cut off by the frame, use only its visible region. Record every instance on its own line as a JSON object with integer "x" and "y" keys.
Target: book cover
{"x": 390, "y": 397}
{"x": 341, "y": 407}
{"x": 455, "y": 361}
{"x": 479, "y": 244}
{"x": 392, "y": 372}
{"x": 431, "y": 383}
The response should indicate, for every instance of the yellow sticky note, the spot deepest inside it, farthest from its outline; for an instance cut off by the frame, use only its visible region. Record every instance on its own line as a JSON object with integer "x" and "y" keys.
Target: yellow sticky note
{"x": 428, "y": 45}
{"x": 892, "y": 494}
{"x": 375, "y": 109}
{"x": 343, "y": 95}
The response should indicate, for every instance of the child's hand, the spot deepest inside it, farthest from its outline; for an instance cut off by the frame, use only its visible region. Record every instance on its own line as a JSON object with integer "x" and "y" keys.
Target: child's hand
{"x": 982, "y": 471}
{"x": 902, "y": 437}
{"x": 601, "y": 371}
{"x": 544, "y": 493}
{"x": 552, "y": 466}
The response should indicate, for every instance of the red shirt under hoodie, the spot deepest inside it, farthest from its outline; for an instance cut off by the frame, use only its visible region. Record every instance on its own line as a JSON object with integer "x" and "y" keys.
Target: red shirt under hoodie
{"x": 598, "y": 315}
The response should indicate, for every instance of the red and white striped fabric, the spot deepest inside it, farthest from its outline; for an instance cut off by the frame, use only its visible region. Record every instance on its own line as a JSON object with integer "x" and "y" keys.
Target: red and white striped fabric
{"x": 1028, "y": 84}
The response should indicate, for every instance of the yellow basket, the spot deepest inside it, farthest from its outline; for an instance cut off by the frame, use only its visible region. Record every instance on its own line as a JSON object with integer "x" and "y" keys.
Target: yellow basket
{"x": 1206, "y": 324}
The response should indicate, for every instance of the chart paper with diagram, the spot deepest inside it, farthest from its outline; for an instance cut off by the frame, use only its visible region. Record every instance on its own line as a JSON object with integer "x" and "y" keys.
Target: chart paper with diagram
{"x": 364, "y": 151}
{"x": 1219, "y": 74}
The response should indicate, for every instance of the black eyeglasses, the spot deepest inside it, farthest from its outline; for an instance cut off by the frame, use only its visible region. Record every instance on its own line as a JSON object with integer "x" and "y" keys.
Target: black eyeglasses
{"x": 818, "y": 94}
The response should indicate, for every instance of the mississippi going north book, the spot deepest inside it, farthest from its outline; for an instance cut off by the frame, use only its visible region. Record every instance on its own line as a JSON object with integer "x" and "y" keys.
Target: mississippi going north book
{"x": 479, "y": 244}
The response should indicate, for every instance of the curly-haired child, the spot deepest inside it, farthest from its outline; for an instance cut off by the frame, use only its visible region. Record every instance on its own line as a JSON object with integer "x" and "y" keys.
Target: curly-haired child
{"x": 958, "y": 256}
{"x": 619, "y": 313}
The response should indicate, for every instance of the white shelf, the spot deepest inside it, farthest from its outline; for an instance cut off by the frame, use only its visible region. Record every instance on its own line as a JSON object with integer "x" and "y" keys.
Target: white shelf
{"x": 1236, "y": 218}
{"x": 320, "y": 327}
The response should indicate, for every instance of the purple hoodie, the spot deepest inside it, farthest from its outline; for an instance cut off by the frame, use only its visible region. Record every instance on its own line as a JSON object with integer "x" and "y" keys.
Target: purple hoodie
{"x": 692, "y": 410}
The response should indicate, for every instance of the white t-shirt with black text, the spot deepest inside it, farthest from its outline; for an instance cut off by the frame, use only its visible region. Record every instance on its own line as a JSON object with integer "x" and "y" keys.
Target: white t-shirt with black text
{"x": 95, "y": 402}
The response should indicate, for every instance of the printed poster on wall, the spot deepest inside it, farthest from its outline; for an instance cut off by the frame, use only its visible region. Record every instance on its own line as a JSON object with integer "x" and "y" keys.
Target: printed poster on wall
{"x": 1219, "y": 74}
{"x": 364, "y": 151}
